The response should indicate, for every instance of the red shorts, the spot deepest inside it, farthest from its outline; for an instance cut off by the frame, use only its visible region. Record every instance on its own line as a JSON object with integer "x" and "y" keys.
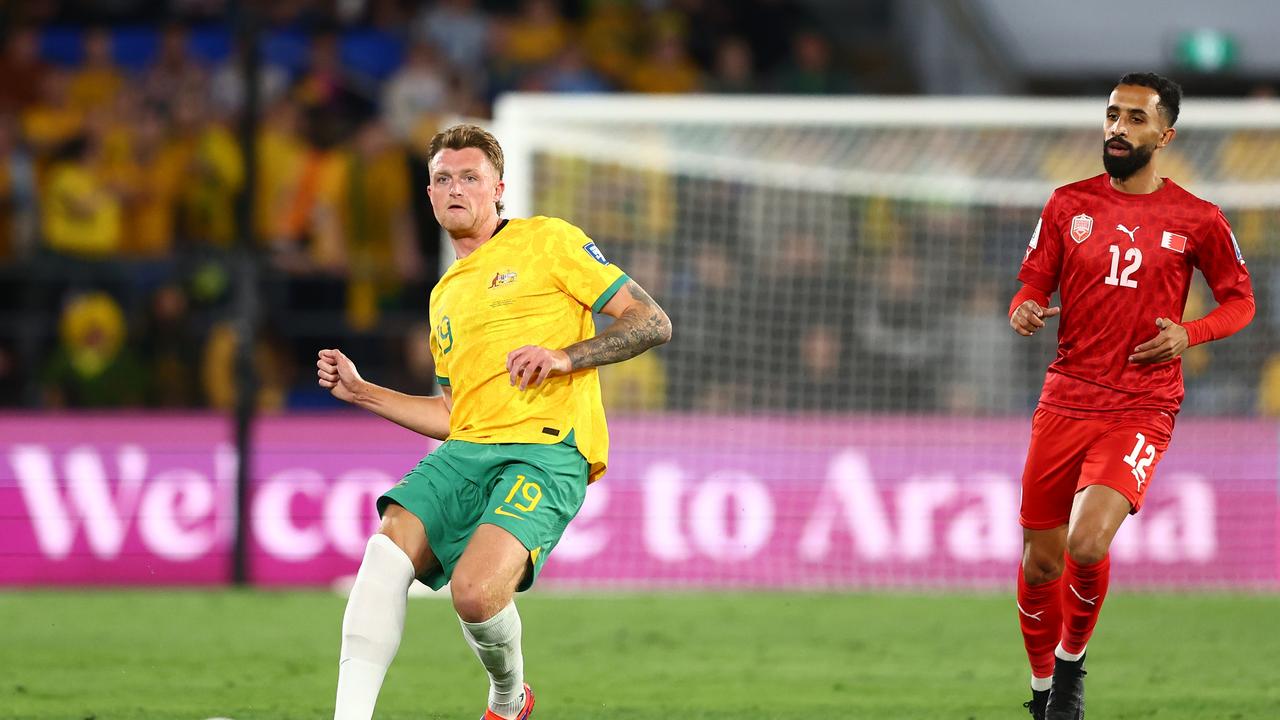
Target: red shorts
{"x": 1069, "y": 454}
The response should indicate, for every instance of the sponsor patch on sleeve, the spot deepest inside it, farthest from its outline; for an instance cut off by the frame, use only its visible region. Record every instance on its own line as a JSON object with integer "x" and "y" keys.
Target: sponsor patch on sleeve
{"x": 1236, "y": 245}
{"x": 595, "y": 253}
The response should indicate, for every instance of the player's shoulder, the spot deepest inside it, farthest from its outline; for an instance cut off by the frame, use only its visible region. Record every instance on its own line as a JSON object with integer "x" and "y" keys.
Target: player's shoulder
{"x": 542, "y": 233}
{"x": 1189, "y": 201}
{"x": 544, "y": 225}
{"x": 1069, "y": 199}
{"x": 1089, "y": 186}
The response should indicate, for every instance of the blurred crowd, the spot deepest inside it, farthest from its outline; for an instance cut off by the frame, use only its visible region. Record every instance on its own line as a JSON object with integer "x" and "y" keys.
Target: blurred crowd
{"x": 122, "y": 169}
{"x": 122, "y": 166}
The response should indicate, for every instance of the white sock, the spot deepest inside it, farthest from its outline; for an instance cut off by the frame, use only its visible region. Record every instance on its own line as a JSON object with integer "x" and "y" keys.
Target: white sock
{"x": 1061, "y": 654}
{"x": 1041, "y": 684}
{"x": 371, "y": 627}
{"x": 496, "y": 642}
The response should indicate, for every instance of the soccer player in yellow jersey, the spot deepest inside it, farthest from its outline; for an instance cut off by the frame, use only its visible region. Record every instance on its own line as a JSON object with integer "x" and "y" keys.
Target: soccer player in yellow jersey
{"x": 521, "y": 416}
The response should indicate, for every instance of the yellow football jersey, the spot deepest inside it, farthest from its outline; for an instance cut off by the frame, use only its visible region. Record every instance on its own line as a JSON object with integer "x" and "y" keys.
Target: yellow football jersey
{"x": 537, "y": 281}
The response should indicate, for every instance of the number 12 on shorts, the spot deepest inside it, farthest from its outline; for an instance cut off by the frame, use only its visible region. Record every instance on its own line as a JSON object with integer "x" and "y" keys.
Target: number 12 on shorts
{"x": 1140, "y": 459}
{"x": 530, "y": 492}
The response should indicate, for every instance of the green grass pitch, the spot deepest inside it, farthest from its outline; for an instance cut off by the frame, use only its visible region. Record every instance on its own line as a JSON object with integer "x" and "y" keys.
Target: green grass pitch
{"x": 244, "y": 655}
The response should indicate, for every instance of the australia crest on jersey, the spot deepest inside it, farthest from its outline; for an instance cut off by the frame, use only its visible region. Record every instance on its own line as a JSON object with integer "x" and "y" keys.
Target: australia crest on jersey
{"x": 1081, "y": 227}
{"x": 502, "y": 278}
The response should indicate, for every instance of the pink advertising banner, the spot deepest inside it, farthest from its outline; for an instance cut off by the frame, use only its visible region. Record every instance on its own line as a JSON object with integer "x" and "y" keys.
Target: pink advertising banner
{"x": 689, "y": 501}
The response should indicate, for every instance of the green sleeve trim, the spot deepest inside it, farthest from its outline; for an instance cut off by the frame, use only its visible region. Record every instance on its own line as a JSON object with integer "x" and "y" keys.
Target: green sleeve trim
{"x": 442, "y": 381}
{"x": 609, "y": 292}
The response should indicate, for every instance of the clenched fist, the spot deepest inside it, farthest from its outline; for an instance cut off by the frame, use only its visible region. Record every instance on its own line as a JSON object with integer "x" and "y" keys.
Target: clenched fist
{"x": 338, "y": 375}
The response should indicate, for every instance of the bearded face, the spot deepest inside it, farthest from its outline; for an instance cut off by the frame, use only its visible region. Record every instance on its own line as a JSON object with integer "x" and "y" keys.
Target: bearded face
{"x": 1122, "y": 159}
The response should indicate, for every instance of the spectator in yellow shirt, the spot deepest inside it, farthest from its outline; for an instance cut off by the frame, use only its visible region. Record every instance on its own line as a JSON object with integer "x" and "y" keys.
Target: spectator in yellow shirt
{"x": 377, "y": 224}
{"x": 610, "y": 38}
{"x": 667, "y": 68}
{"x": 98, "y": 80}
{"x": 212, "y": 177}
{"x": 537, "y": 35}
{"x": 53, "y": 120}
{"x": 282, "y": 154}
{"x": 81, "y": 216}
{"x": 150, "y": 179}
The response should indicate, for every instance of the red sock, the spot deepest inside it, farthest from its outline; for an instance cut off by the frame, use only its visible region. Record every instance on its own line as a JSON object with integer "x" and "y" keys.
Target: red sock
{"x": 1084, "y": 587}
{"x": 1040, "y": 614}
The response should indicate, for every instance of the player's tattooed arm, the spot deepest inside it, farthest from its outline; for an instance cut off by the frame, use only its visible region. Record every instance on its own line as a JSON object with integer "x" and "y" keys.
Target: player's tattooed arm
{"x": 638, "y": 325}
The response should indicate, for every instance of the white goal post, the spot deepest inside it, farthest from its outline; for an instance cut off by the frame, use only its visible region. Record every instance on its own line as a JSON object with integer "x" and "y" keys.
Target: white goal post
{"x": 597, "y": 126}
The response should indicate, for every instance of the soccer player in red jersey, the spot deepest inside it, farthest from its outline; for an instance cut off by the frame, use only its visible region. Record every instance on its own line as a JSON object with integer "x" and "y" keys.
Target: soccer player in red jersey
{"x": 1120, "y": 250}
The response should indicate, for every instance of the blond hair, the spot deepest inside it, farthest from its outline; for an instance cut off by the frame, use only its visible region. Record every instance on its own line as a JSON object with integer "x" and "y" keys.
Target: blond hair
{"x": 463, "y": 136}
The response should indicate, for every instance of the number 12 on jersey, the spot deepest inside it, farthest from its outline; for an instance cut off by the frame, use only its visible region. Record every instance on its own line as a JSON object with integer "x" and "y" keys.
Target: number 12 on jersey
{"x": 1133, "y": 256}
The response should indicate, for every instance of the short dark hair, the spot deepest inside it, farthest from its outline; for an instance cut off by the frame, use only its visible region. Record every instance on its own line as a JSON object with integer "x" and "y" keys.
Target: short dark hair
{"x": 463, "y": 136}
{"x": 1169, "y": 91}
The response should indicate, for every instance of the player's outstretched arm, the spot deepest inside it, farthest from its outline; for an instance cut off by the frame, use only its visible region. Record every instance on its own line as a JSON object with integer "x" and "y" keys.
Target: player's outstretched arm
{"x": 425, "y": 415}
{"x": 638, "y": 325}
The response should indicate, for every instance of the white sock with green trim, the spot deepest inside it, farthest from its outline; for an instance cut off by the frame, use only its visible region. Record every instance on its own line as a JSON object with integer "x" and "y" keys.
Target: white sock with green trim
{"x": 371, "y": 627}
{"x": 496, "y": 642}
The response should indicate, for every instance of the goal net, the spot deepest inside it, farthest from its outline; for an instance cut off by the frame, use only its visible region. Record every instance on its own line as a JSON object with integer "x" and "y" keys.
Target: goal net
{"x": 843, "y": 403}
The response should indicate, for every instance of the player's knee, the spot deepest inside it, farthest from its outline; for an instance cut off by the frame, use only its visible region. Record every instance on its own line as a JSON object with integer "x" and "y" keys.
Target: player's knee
{"x": 1040, "y": 569}
{"x": 1087, "y": 547}
{"x": 406, "y": 531}
{"x": 473, "y": 599}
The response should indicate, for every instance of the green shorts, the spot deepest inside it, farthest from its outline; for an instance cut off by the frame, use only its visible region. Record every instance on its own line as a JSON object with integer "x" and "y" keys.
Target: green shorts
{"x": 531, "y": 491}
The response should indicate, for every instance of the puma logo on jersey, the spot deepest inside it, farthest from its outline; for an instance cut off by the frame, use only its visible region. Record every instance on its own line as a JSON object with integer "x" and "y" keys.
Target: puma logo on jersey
{"x": 1092, "y": 601}
{"x": 1129, "y": 232}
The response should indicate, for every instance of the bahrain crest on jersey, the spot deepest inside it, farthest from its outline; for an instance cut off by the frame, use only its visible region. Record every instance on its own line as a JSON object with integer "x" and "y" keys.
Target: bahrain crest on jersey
{"x": 1081, "y": 227}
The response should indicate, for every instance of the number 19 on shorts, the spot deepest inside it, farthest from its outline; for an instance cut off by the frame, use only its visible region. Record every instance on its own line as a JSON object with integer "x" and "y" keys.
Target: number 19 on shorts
{"x": 524, "y": 496}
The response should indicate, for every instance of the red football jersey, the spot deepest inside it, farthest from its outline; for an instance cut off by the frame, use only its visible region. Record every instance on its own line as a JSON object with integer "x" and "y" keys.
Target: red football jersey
{"x": 1118, "y": 262}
